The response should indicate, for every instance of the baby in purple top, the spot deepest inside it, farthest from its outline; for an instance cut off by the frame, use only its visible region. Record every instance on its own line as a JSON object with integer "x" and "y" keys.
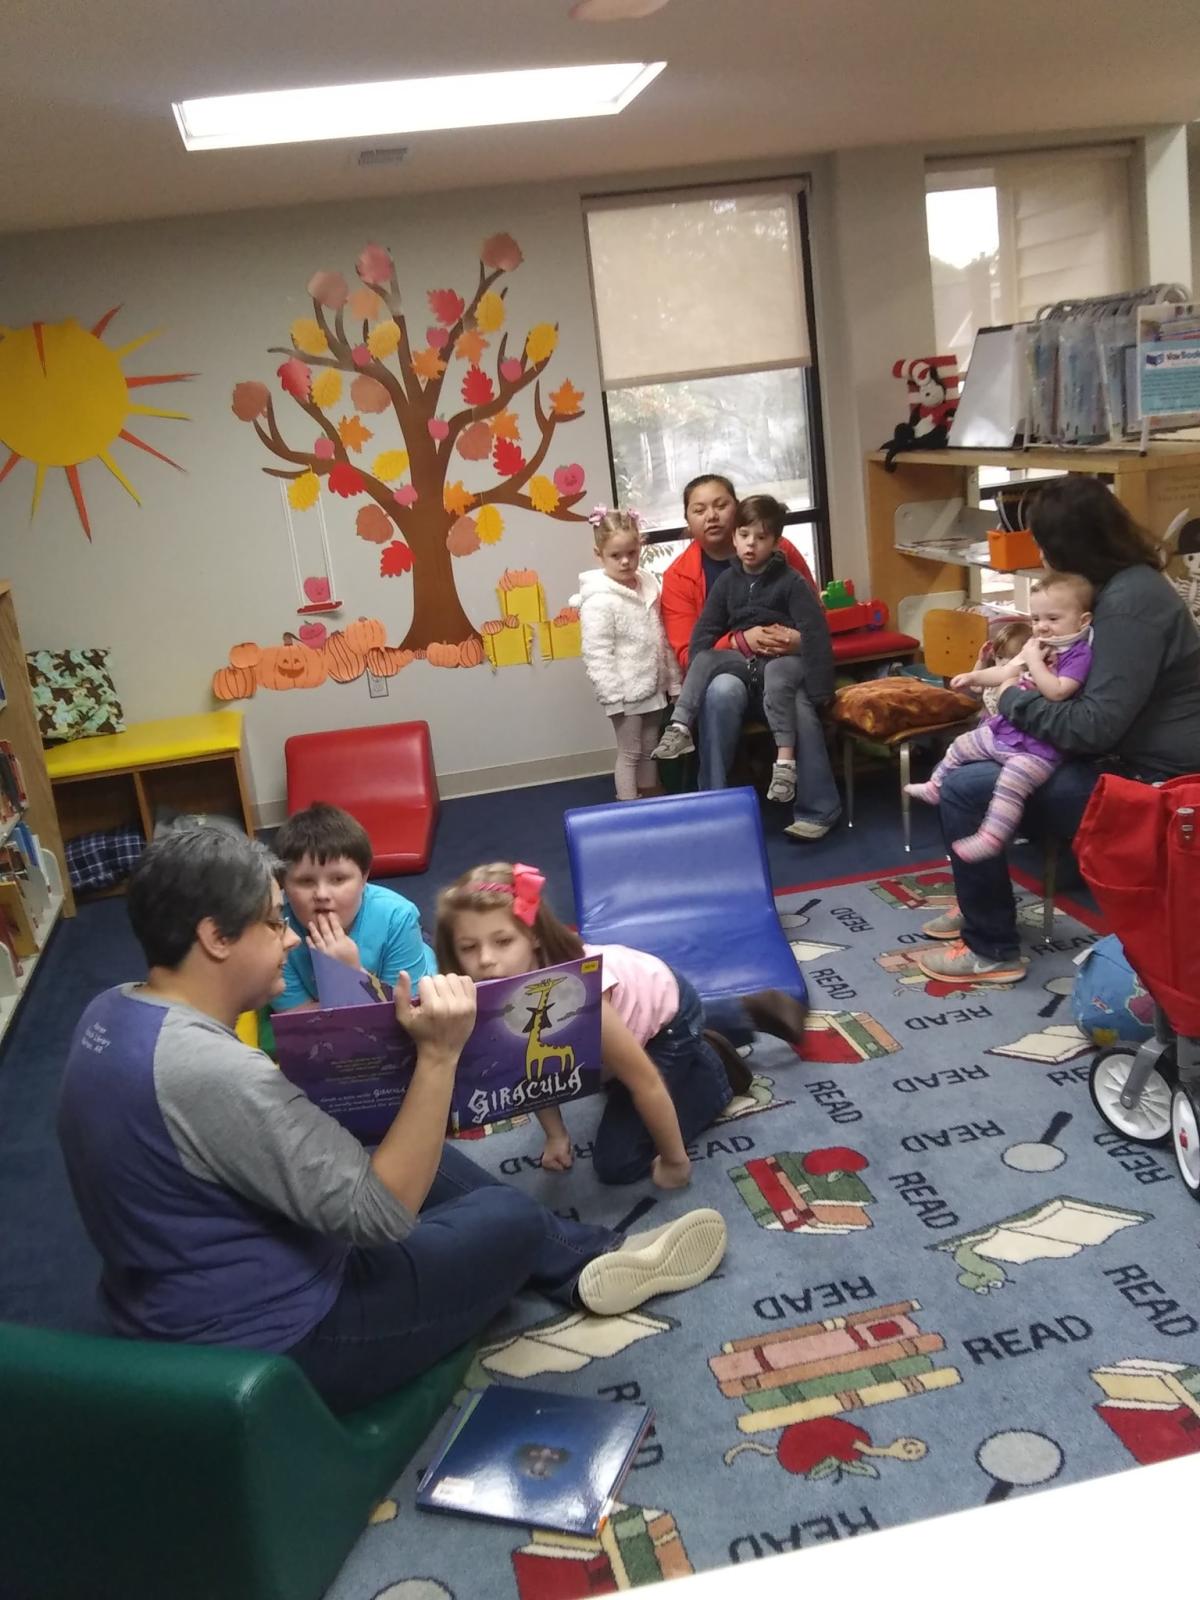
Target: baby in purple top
{"x": 1056, "y": 661}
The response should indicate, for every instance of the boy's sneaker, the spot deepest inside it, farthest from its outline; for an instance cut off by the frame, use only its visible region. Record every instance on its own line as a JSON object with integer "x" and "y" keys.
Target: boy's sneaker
{"x": 783, "y": 782}
{"x": 663, "y": 1260}
{"x": 947, "y": 925}
{"x": 676, "y": 741}
{"x": 807, "y": 830}
{"x": 960, "y": 964}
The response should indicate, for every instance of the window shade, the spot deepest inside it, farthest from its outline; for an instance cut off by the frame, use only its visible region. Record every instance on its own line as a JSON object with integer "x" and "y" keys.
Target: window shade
{"x": 1070, "y": 230}
{"x": 691, "y": 287}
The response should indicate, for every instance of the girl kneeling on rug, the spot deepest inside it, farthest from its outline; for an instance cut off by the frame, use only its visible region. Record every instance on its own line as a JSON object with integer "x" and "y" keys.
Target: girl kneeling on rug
{"x": 670, "y": 1061}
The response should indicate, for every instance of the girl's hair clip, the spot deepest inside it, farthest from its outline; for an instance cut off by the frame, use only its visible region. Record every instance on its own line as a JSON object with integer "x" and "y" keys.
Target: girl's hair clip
{"x": 597, "y": 515}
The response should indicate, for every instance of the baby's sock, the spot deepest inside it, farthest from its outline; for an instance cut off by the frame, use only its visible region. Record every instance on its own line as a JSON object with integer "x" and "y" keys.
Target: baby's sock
{"x": 979, "y": 846}
{"x": 929, "y": 792}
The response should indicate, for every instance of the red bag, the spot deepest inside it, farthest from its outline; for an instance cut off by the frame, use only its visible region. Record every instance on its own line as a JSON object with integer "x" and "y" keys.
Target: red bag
{"x": 1138, "y": 847}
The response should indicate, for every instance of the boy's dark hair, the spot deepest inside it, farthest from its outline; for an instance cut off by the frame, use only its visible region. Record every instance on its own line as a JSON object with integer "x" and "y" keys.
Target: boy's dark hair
{"x": 193, "y": 873}
{"x": 1189, "y": 538}
{"x": 707, "y": 477}
{"x": 1081, "y": 526}
{"x": 762, "y": 508}
{"x": 326, "y": 833}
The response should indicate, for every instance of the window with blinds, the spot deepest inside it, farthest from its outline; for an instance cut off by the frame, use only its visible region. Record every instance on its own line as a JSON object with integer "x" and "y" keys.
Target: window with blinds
{"x": 704, "y": 334}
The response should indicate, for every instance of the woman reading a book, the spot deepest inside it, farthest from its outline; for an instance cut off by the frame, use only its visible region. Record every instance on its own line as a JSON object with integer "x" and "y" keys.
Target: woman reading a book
{"x": 1138, "y": 713}
{"x": 227, "y": 1208}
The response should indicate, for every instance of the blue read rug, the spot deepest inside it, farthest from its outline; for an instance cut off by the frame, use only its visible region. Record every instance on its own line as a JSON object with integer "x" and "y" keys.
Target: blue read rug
{"x": 947, "y": 1281}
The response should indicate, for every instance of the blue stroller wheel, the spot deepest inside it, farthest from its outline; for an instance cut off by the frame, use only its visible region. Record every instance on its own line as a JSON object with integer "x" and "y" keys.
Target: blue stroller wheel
{"x": 1185, "y": 1137}
{"x": 1148, "y": 1120}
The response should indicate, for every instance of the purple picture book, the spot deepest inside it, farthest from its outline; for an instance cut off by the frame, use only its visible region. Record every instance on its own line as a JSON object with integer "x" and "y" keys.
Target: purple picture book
{"x": 536, "y": 1042}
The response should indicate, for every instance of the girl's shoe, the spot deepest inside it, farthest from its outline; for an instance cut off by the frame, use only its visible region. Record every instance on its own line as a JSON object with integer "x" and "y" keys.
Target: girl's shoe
{"x": 960, "y": 964}
{"x": 947, "y": 924}
{"x": 676, "y": 741}
{"x": 773, "y": 1011}
{"x": 663, "y": 1260}
{"x": 783, "y": 782}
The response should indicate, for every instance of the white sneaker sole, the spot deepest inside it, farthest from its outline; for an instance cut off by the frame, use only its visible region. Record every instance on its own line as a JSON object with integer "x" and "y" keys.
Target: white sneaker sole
{"x": 679, "y": 1256}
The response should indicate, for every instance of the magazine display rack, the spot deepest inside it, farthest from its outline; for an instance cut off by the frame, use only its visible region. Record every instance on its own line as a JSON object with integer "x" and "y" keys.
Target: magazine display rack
{"x": 30, "y": 843}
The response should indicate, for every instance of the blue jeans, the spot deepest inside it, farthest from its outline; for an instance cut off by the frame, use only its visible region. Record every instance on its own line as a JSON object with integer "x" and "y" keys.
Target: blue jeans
{"x": 726, "y": 705}
{"x": 403, "y": 1306}
{"x": 984, "y": 888}
{"x": 623, "y": 1151}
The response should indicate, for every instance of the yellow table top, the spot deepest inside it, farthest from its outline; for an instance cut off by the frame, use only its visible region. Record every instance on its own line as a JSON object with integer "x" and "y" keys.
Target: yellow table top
{"x": 148, "y": 744}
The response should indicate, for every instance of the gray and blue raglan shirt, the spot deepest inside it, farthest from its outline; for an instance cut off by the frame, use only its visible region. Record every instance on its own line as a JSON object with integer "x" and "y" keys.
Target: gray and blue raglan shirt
{"x": 222, "y": 1202}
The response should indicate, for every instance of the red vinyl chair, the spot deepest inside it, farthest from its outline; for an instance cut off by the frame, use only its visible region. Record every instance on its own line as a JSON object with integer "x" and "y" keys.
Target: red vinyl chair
{"x": 383, "y": 776}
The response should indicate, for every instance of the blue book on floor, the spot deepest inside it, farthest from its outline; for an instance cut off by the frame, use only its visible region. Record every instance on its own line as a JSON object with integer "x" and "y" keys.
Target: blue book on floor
{"x": 536, "y": 1043}
{"x": 547, "y": 1460}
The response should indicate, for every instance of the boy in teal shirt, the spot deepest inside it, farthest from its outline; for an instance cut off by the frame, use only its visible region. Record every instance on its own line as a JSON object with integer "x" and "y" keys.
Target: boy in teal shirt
{"x": 334, "y": 909}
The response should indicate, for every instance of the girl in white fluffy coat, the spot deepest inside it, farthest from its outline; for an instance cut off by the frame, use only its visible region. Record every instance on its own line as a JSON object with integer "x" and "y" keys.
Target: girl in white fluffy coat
{"x": 632, "y": 668}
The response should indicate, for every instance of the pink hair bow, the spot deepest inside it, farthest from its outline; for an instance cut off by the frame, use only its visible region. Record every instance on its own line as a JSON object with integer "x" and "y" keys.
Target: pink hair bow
{"x": 597, "y": 515}
{"x": 528, "y": 884}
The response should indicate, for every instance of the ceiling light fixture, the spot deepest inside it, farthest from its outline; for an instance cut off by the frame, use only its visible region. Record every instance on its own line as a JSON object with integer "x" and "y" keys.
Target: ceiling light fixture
{"x": 614, "y": 10}
{"x": 411, "y": 105}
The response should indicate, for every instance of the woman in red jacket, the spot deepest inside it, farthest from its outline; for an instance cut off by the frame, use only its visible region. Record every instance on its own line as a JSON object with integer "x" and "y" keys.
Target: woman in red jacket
{"x": 710, "y": 509}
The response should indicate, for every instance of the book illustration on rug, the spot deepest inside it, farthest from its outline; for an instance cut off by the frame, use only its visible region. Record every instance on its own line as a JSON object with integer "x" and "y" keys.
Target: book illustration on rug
{"x": 636, "y": 1545}
{"x": 536, "y": 1042}
{"x": 569, "y": 1342}
{"x": 806, "y": 1191}
{"x": 760, "y": 1096}
{"x": 843, "y": 1037}
{"x": 821, "y": 1369}
{"x": 1018, "y": 1458}
{"x": 1040, "y": 1155}
{"x": 504, "y": 1125}
{"x": 916, "y": 891}
{"x": 1049, "y": 1046}
{"x": 902, "y": 965}
{"x": 1153, "y": 1407}
{"x": 828, "y": 1447}
{"x": 1053, "y": 1231}
{"x": 524, "y": 1455}
{"x": 813, "y": 950}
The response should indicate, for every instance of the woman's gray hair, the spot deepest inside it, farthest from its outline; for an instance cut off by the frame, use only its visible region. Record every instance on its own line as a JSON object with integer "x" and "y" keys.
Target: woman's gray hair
{"x": 193, "y": 873}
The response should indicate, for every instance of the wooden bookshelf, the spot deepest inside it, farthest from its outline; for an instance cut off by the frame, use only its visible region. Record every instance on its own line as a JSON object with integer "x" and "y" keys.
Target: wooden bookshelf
{"x": 50, "y": 894}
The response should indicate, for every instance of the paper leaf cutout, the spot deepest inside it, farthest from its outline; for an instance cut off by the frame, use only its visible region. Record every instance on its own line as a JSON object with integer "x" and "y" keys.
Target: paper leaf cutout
{"x": 360, "y": 356}
{"x": 384, "y": 340}
{"x": 475, "y": 442}
{"x": 501, "y": 252}
{"x": 406, "y": 496}
{"x": 489, "y": 524}
{"x": 570, "y": 479}
{"x": 504, "y": 425}
{"x": 323, "y": 448}
{"x": 250, "y": 400}
{"x": 543, "y": 496}
{"x": 477, "y": 387}
{"x": 326, "y": 387}
{"x": 346, "y": 480}
{"x": 463, "y": 539}
{"x": 328, "y": 289}
{"x": 395, "y": 560}
{"x": 507, "y": 457}
{"x": 374, "y": 266}
{"x": 352, "y": 433}
{"x": 427, "y": 364}
{"x": 296, "y": 378}
{"x": 390, "y": 465}
{"x": 437, "y": 338}
{"x": 456, "y": 499}
{"x": 303, "y": 492}
{"x": 309, "y": 336}
{"x": 364, "y": 305}
{"x": 541, "y": 342}
{"x": 566, "y": 399}
{"x": 470, "y": 346}
{"x": 446, "y": 305}
{"x": 511, "y": 369}
{"x": 373, "y": 524}
{"x": 489, "y": 313}
{"x": 369, "y": 395}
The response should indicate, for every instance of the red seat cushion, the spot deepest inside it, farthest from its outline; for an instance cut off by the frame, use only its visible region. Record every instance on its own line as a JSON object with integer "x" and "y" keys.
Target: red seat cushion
{"x": 873, "y": 642}
{"x": 383, "y": 776}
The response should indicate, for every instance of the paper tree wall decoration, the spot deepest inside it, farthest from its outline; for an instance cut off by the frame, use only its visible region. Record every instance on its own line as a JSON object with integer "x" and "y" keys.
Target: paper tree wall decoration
{"x": 64, "y": 400}
{"x": 357, "y": 357}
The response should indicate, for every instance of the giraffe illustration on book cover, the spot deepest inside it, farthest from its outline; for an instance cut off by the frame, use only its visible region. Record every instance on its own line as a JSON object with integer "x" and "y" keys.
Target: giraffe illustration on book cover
{"x": 1053, "y": 1231}
{"x": 820, "y": 1370}
{"x": 806, "y": 1191}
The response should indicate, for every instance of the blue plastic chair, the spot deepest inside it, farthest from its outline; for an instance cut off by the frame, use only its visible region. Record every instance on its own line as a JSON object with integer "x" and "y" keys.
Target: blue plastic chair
{"x": 685, "y": 877}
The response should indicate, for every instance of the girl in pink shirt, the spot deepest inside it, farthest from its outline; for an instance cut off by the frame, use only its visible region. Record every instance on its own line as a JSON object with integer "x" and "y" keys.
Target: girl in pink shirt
{"x": 670, "y": 1062}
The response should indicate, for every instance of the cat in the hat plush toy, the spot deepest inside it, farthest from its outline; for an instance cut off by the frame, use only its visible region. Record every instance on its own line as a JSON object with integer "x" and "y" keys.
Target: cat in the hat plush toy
{"x": 932, "y": 383}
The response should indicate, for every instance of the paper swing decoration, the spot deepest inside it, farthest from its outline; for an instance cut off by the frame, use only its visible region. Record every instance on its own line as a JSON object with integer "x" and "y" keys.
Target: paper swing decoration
{"x": 316, "y": 593}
